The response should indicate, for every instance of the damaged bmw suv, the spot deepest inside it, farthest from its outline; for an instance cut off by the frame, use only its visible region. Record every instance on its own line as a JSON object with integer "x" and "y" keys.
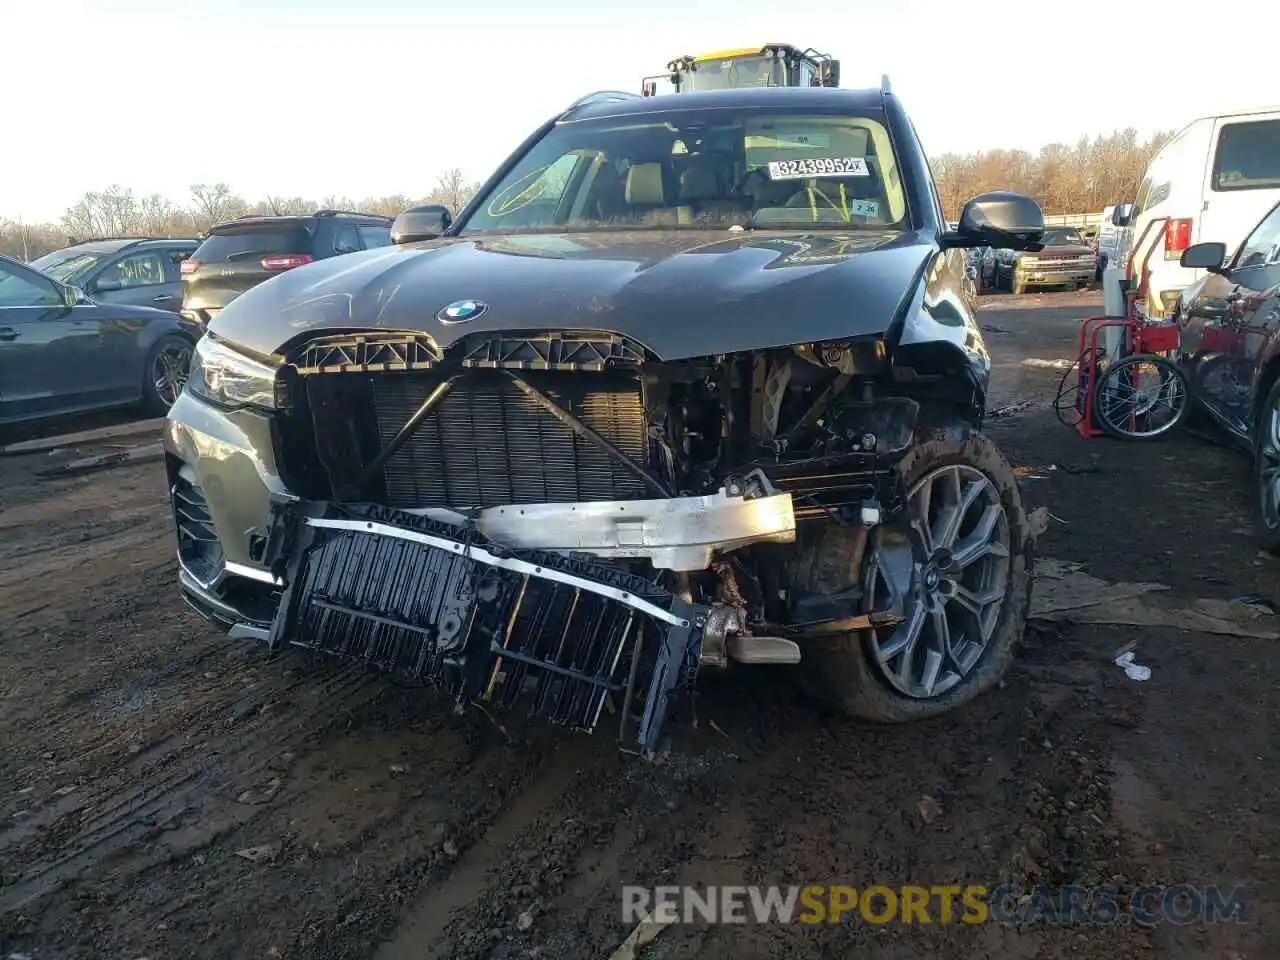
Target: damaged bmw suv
{"x": 691, "y": 382}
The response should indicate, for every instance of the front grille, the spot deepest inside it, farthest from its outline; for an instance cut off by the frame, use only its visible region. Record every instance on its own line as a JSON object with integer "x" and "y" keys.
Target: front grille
{"x": 488, "y": 444}
{"x": 198, "y": 546}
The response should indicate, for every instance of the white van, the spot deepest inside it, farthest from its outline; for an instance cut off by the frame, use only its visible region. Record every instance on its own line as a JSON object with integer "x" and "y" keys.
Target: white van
{"x": 1108, "y": 238}
{"x": 1212, "y": 182}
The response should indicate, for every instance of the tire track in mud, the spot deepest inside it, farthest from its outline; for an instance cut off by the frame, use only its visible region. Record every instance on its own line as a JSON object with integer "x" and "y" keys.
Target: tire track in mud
{"x": 618, "y": 820}
{"x": 99, "y": 538}
{"x": 792, "y": 797}
{"x": 149, "y": 796}
{"x": 468, "y": 879}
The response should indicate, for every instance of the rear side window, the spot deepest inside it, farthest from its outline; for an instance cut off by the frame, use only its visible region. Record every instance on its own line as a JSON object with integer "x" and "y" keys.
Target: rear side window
{"x": 138, "y": 270}
{"x": 375, "y": 236}
{"x": 1248, "y": 156}
{"x": 173, "y": 260}
{"x": 347, "y": 240}
{"x": 247, "y": 244}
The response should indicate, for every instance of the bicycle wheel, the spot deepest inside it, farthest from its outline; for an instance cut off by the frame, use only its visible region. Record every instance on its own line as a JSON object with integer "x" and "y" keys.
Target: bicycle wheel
{"x": 1067, "y": 403}
{"x": 1140, "y": 397}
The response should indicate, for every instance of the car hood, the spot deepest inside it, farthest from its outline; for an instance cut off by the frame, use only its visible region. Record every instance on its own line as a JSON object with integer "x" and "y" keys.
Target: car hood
{"x": 681, "y": 294}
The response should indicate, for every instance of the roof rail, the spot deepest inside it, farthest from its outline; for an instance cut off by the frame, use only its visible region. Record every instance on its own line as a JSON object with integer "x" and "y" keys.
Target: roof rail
{"x": 603, "y": 96}
{"x": 884, "y": 84}
{"x": 108, "y": 239}
{"x": 349, "y": 213}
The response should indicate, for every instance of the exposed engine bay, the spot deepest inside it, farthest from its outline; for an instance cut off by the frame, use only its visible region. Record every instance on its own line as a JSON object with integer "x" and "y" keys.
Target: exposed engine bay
{"x": 559, "y": 523}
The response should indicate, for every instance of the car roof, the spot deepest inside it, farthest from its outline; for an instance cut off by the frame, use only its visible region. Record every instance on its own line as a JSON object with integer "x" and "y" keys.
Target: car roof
{"x": 1243, "y": 111}
{"x": 799, "y": 98}
{"x": 253, "y": 220}
{"x": 106, "y": 245}
{"x": 23, "y": 265}
{"x": 296, "y": 219}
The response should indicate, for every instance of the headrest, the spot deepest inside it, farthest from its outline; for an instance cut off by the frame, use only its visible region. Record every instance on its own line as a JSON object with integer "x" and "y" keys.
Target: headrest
{"x": 644, "y": 184}
{"x": 699, "y": 182}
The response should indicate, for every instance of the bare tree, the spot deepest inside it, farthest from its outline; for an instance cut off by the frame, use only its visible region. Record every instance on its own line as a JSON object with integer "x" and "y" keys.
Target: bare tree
{"x": 453, "y": 190}
{"x": 157, "y": 215}
{"x": 214, "y": 202}
{"x": 112, "y": 212}
{"x": 1078, "y": 178}
{"x": 1064, "y": 179}
{"x": 26, "y": 241}
{"x": 388, "y": 206}
{"x": 281, "y": 206}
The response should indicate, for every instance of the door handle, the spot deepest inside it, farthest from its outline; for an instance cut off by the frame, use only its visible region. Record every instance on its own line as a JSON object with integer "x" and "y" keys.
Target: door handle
{"x": 163, "y": 298}
{"x": 8, "y": 333}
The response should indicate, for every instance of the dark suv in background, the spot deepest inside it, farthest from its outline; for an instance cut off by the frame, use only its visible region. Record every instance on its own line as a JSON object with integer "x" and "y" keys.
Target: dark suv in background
{"x": 240, "y": 254}
{"x": 132, "y": 271}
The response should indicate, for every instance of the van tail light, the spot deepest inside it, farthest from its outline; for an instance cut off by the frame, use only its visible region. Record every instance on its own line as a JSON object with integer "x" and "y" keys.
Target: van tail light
{"x": 1177, "y": 237}
{"x": 285, "y": 261}
{"x": 188, "y": 266}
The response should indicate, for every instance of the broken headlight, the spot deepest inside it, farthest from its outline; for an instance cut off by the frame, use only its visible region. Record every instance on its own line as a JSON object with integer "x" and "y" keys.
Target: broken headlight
{"x": 228, "y": 378}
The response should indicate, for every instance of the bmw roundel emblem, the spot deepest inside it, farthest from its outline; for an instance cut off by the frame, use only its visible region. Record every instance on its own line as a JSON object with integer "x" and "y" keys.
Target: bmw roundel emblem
{"x": 462, "y": 311}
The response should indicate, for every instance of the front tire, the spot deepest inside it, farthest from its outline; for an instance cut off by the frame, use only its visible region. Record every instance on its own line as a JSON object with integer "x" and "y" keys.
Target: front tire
{"x": 961, "y": 562}
{"x": 165, "y": 375}
{"x": 1266, "y": 472}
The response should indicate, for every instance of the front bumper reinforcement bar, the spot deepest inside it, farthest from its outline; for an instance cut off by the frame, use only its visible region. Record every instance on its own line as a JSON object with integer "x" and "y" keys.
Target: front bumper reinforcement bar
{"x": 560, "y": 637}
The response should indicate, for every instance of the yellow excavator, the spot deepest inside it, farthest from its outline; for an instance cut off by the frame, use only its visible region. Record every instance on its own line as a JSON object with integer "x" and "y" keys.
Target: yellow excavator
{"x": 773, "y": 65}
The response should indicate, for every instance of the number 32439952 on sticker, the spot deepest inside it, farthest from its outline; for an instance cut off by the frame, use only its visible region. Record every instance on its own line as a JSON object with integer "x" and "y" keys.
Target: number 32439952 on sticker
{"x": 801, "y": 169}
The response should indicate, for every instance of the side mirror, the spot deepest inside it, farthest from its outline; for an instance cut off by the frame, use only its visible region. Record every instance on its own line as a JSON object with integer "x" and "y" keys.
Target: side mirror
{"x": 106, "y": 284}
{"x": 74, "y": 295}
{"x": 1204, "y": 256}
{"x": 1122, "y": 215}
{"x": 1001, "y": 219}
{"x": 425, "y": 222}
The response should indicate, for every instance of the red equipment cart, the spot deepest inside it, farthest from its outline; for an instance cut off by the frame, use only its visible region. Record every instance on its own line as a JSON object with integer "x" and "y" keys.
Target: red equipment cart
{"x": 1119, "y": 394}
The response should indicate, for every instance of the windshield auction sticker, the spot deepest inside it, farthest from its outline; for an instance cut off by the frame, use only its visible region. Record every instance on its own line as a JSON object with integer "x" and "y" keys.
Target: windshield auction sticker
{"x": 818, "y": 167}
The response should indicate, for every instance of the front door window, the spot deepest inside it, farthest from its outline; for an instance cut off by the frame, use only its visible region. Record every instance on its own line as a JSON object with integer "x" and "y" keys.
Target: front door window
{"x": 24, "y": 288}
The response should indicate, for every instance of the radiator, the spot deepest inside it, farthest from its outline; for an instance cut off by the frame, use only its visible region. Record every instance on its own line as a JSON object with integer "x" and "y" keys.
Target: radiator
{"x": 488, "y": 444}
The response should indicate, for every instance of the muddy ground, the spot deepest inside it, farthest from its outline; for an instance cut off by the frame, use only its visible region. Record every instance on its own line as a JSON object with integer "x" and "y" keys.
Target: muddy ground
{"x": 167, "y": 793}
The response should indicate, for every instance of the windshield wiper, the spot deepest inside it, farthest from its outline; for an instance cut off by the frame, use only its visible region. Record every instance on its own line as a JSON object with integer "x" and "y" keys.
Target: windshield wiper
{"x": 245, "y": 254}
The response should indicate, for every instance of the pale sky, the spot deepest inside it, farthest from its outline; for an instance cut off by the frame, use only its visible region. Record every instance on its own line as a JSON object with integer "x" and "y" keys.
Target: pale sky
{"x": 159, "y": 94}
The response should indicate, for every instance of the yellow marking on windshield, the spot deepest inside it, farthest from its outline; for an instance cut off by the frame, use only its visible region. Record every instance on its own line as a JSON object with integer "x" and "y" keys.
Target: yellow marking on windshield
{"x": 513, "y": 199}
{"x": 730, "y": 54}
{"x": 843, "y": 209}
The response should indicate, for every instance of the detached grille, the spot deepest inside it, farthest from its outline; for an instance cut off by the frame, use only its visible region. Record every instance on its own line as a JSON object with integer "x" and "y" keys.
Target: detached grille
{"x": 488, "y": 444}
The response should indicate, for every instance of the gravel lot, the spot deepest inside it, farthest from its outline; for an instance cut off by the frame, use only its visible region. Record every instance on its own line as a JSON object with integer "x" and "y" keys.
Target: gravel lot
{"x": 165, "y": 792}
